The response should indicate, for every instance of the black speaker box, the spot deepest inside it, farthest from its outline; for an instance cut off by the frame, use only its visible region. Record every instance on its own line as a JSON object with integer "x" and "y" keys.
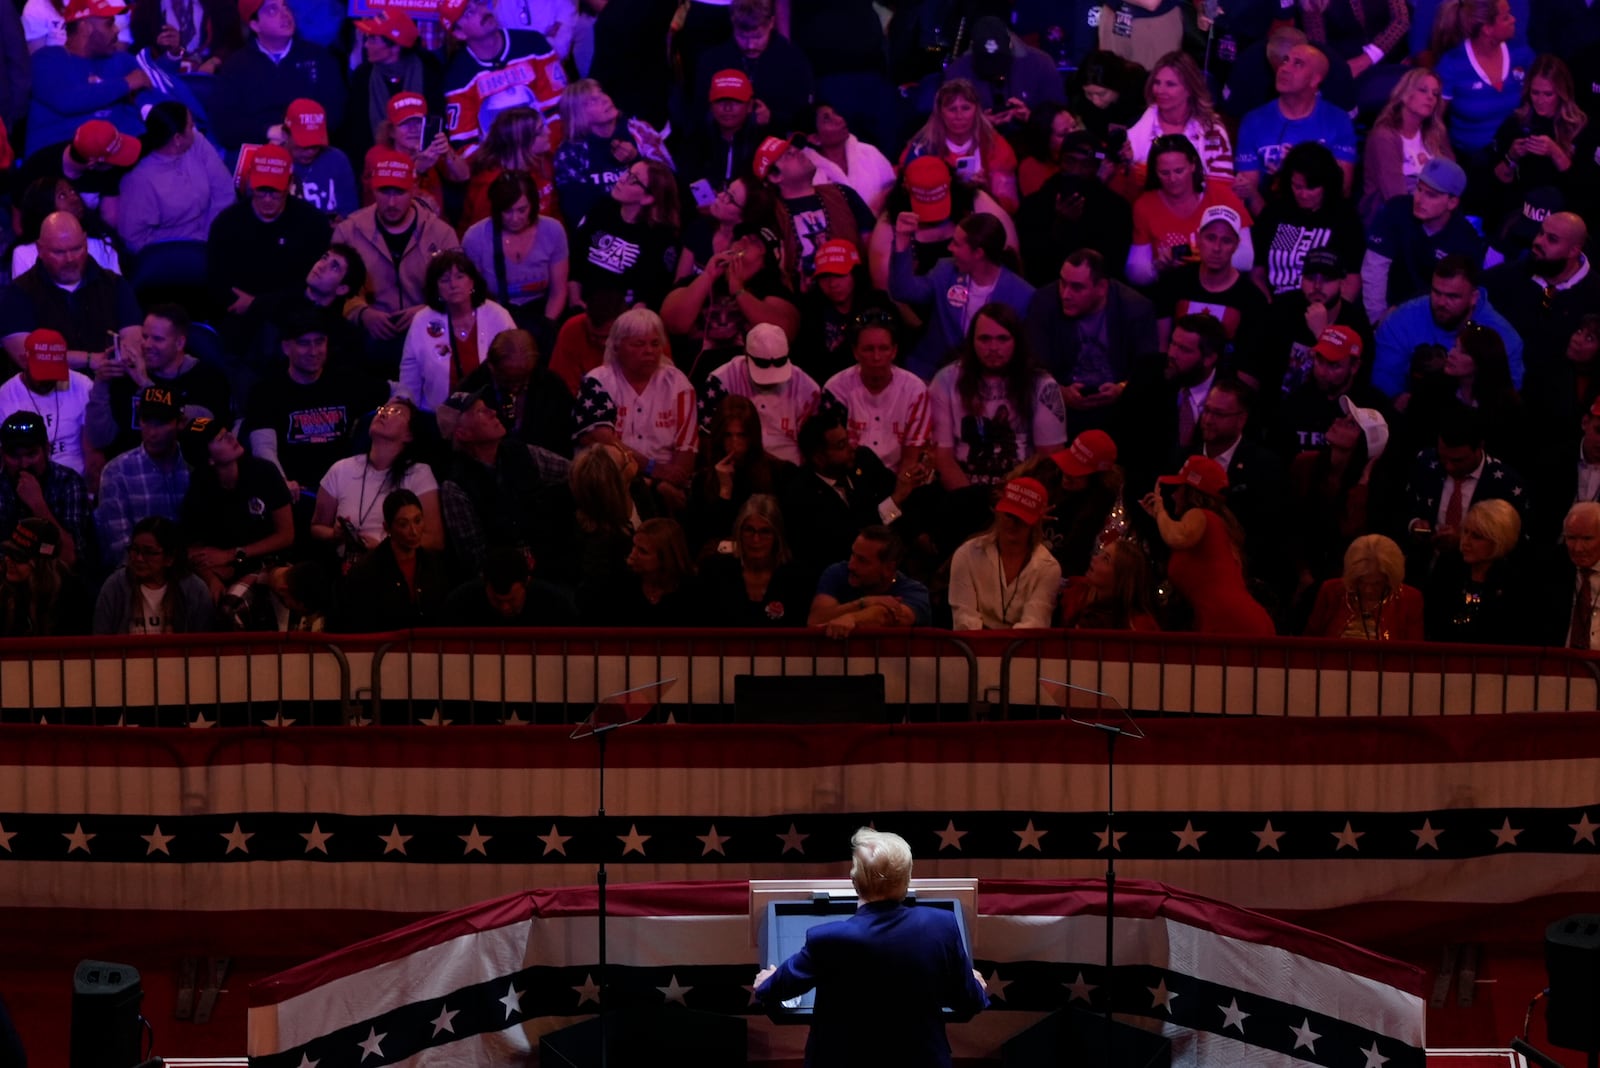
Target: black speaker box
{"x": 812, "y": 699}
{"x": 1572, "y": 962}
{"x": 105, "y": 1015}
{"x": 1078, "y": 1039}
{"x": 649, "y": 1038}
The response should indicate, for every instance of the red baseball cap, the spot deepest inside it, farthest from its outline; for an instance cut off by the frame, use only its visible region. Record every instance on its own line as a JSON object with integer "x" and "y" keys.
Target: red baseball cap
{"x": 271, "y": 167}
{"x": 836, "y": 257}
{"x": 731, "y": 85}
{"x": 248, "y": 9}
{"x": 450, "y": 12}
{"x": 389, "y": 169}
{"x": 47, "y": 356}
{"x": 403, "y": 106}
{"x": 97, "y": 141}
{"x": 927, "y": 179}
{"x": 1024, "y": 498}
{"x": 772, "y": 149}
{"x": 307, "y": 123}
{"x": 1338, "y": 343}
{"x": 91, "y": 9}
{"x": 393, "y": 24}
{"x": 1091, "y": 452}
{"x": 1201, "y": 472}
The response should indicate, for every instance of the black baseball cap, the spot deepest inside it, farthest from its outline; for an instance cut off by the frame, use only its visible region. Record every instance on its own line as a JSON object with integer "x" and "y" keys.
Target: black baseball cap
{"x": 1323, "y": 263}
{"x": 24, "y": 430}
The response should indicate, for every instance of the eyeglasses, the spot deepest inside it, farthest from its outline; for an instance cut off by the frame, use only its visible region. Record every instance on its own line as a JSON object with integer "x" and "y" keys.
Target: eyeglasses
{"x": 393, "y": 409}
{"x": 629, "y": 178}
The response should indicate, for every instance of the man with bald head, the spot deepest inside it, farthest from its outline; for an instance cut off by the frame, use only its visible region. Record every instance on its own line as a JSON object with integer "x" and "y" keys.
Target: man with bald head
{"x": 1544, "y": 296}
{"x": 66, "y": 291}
{"x": 1298, "y": 115}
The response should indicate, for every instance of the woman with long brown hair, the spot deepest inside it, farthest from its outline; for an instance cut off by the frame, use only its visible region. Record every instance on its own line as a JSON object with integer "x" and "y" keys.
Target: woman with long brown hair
{"x": 1536, "y": 142}
{"x": 518, "y": 142}
{"x": 640, "y": 214}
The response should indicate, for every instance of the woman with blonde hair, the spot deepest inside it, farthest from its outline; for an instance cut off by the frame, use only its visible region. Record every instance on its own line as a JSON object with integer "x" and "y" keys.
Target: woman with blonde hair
{"x": 751, "y": 580}
{"x": 1407, "y": 133}
{"x": 598, "y": 145}
{"x": 518, "y": 142}
{"x": 958, "y": 132}
{"x": 1478, "y": 594}
{"x": 1371, "y": 599}
{"x": 1178, "y": 102}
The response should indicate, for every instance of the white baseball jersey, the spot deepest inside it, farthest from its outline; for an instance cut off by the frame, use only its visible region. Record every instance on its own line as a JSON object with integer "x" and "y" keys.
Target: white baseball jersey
{"x": 782, "y": 408}
{"x": 658, "y": 423}
{"x": 890, "y": 423}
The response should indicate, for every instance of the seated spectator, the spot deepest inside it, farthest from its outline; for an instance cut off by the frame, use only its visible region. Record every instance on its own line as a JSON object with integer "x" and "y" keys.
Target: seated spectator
{"x": 1536, "y": 144}
{"x": 1168, "y": 215}
{"x": 323, "y": 177}
{"x": 518, "y": 143}
{"x": 170, "y": 198}
{"x": 1073, "y": 211}
{"x": 1107, "y": 93}
{"x": 400, "y": 584}
{"x": 1570, "y": 617}
{"x": 722, "y": 147}
{"x": 40, "y": 597}
{"x": 94, "y": 309}
{"x": 1089, "y": 333}
{"x": 1210, "y": 283}
{"x": 954, "y": 289}
{"x": 1448, "y": 480}
{"x": 200, "y": 390}
{"x": 1475, "y": 375}
{"x": 868, "y": 590}
{"x": 434, "y": 161}
{"x": 959, "y": 133}
{"x": 1085, "y": 511}
{"x": 1306, "y": 413}
{"x": 993, "y": 407}
{"x": 737, "y": 291}
{"x": 750, "y": 579}
{"x": 1412, "y": 233}
{"x": 638, "y": 400}
{"x": 940, "y": 204}
{"x": 610, "y": 501}
{"x": 841, "y": 294}
{"x": 500, "y": 492}
{"x": 1453, "y": 299}
{"x": 391, "y": 64}
{"x": 1179, "y": 104}
{"x": 1330, "y": 491}
{"x": 58, "y": 397}
{"x": 1007, "y": 578}
{"x": 734, "y": 466}
{"x": 334, "y": 276}
{"x": 630, "y": 240}
{"x": 1039, "y": 146}
{"x": 199, "y": 36}
{"x": 598, "y": 145}
{"x": 41, "y": 198}
{"x": 346, "y": 510}
{"x": 1282, "y": 359}
{"x": 395, "y": 279}
{"x": 282, "y": 598}
{"x": 581, "y": 344}
{"x": 150, "y": 480}
{"x": 783, "y": 395}
{"x": 1113, "y": 594}
{"x": 449, "y": 338}
{"x": 779, "y": 72}
{"x": 1407, "y": 134}
{"x": 1012, "y": 77}
{"x": 808, "y": 214}
{"x": 494, "y": 68}
{"x": 87, "y": 77}
{"x": 1478, "y": 595}
{"x": 1370, "y": 600}
{"x": 838, "y": 491}
{"x": 237, "y": 514}
{"x": 711, "y": 230}
{"x": 507, "y": 595}
{"x": 1299, "y": 116}
{"x": 93, "y": 162}
{"x": 1306, "y": 210}
{"x": 532, "y": 402}
{"x": 1206, "y": 542}
{"x": 886, "y": 406}
{"x": 843, "y": 159}
{"x": 522, "y": 254}
{"x": 276, "y": 66}
{"x": 1482, "y": 71}
{"x": 661, "y": 591}
{"x": 153, "y": 592}
{"x": 33, "y": 487}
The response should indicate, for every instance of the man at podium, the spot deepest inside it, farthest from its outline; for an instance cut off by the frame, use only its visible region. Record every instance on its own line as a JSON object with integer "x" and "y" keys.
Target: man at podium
{"x": 884, "y": 975}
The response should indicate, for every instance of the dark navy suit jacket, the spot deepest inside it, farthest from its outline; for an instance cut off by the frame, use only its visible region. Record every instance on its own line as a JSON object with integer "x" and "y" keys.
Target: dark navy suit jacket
{"x": 882, "y": 976}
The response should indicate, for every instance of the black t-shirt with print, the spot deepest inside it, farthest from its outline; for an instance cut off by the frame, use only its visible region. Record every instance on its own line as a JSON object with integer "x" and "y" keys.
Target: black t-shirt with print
{"x": 227, "y": 519}
{"x": 638, "y": 257}
{"x": 313, "y": 423}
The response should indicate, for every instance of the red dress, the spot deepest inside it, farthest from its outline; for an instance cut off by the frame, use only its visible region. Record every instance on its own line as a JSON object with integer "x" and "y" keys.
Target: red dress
{"x": 1210, "y": 578}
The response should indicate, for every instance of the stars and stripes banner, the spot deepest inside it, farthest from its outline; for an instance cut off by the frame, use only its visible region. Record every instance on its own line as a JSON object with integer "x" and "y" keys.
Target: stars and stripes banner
{"x": 479, "y": 986}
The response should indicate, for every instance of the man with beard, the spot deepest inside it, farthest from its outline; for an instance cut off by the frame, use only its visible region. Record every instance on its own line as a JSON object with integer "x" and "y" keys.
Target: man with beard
{"x": 1435, "y": 320}
{"x": 201, "y": 390}
{"x": 33, "y": 487}
{"x": 809, "y": 215}
{"x": 1281, "y": 363}
{"x": 66, "y": 291}
{"x": 1311, "y": 407}
{"x": 495, "y": 69}
{"x": 1160, "y": 414}
{"x": 1544, "y": 297}
{"x": 89, "y": 77}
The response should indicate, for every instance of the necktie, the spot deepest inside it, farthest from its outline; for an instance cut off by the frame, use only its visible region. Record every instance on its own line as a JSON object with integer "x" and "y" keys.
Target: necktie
{"x": 1582, "y": 607}
{"x": 1452, "y": 506}
{"x": 1185, "y": 419}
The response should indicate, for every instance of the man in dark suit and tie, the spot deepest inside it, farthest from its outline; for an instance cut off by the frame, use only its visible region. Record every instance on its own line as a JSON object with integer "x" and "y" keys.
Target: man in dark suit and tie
{"x": 1257, "y": 479}
{"x": 1160, "y": 412}
{"x": 883, "y": 976}
{"x": 1575, "y": 582}
{"x": 1447, "y": 481}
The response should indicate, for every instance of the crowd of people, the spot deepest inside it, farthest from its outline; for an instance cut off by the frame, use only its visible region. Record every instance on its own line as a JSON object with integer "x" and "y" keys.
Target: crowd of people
{"x": 964, "y": 313}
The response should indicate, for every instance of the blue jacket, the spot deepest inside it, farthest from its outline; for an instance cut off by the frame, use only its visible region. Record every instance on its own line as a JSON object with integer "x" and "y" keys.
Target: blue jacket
{"x": 70, "y": 90}
{"x": 936, "y": 288}
{"x": 882, "y": 977}
{"x": 1411, "y": 324}
{"x": 252, "y": 92}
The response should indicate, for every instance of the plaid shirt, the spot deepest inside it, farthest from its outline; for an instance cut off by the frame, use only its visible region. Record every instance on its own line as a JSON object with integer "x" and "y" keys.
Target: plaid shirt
{"x": 68, "y": 501}
{"x": 462, "y": 524}
{"x": 132, "y": 488}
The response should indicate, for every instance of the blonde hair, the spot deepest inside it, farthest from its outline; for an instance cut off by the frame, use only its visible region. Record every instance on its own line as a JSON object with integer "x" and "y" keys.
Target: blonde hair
{"x": 1374, "y": 554}
{"x": 1201, "y": 107}
{"x": 570, "y": 109}
{"x": 1497, "y": 521}
{"x": 932, "y": 138}
{"x": 1569, "y": 118}
{"x": 599, "y": 494}
{"x": 1460, "y": 20}
{"x": 880, "y": 865}
{"x": 1434, "y": 137}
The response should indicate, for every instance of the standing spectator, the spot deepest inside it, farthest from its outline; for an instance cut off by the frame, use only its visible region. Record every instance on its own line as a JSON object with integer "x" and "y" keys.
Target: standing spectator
{"x": 886, "y": 406}
{"x": 522, "y": 253}
{"x": 631, "y": 239}
{"x": 495, "y": 69}
{"x": 1412, "y": 233}
{"x": 170, "y": 199}
{"x": 1179, "y": 103}
{"x": 868, "y": 589}
{"x": 1007, "y": 578}
{"x": 1436, "y": 319}
{"x": 392, "y": 64}
{"x": 1206, "y": 542}
{"x": 88, "y": 77}
{"x": 449, "y": 338}
{"x": 57, "y": 395}
{"x": 753, "y": 582}
{"x": 1308, "y": 210}
{"x": 148, "y": 481}
{"x": 1482, "y": 71}
{"x": 237, "y": 514}
{"x": 778, "y": 71}
{"x": 256, "y": 84}
{"x": 1297, "y": 117}
{"x": 323, "y": 177}
{"x": 844, "y": 159}
{"x": 1407, "y": 134}
{"x": 199, "y": 389}
{"x": 153, "y": 592}
{"x": 34, "y": 487}
{"x": 347, "y": 506}
{"x": 399, "y": 584}
{"x": 784, "y": 396}
{"x": 959, "y": 133}
{"x": 972, "y": 278}
{"x": 1167, "y": 216}
{"x": 93, "y": 308}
